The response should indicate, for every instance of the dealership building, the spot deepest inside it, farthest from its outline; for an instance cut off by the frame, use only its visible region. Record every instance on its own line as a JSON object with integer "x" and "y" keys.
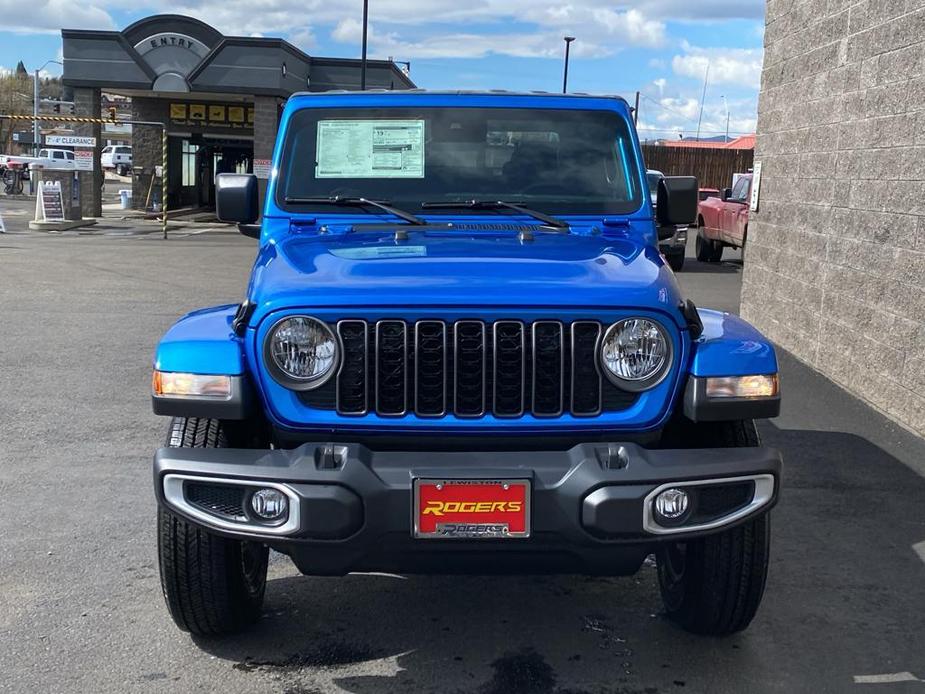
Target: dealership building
{"x": 219, "y": 96}
{"x": 835, "y": 261}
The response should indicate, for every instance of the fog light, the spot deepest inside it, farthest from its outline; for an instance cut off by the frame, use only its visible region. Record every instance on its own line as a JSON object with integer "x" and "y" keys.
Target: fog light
{"x": 269, "y": 504}
{"x": 671, "y": 504}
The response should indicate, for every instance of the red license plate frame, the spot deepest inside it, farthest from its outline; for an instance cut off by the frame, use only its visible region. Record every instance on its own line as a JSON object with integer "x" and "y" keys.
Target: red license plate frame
{"x": 476, "y": 509}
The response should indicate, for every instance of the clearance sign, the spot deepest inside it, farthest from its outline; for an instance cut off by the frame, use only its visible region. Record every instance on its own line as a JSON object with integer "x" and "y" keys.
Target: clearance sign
{"x": 212, "y": 115}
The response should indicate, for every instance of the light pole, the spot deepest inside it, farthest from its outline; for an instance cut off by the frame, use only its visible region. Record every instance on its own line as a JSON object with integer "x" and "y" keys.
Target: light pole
{"x": 36, "y": 133}
{"x": 568, "y": 42}
{"x": 726, "y": 104}
{"x": 365, "y": 30}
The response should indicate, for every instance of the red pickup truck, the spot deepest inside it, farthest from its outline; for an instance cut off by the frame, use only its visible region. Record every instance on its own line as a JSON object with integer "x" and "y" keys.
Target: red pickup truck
{"x": 723, "y": 221}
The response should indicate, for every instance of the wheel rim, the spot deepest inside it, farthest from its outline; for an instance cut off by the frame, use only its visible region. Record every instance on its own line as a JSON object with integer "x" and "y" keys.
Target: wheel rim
{"x": 253, "y": 567}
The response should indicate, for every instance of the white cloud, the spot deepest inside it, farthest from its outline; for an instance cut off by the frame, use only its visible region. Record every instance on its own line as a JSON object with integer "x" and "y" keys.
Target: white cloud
{"x": 50, "y": 16}
{"x": 733, "y": 66}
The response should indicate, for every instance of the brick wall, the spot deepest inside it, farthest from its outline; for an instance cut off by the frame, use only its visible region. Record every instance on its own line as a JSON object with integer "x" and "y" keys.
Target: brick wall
{"x": 835, "y": 261}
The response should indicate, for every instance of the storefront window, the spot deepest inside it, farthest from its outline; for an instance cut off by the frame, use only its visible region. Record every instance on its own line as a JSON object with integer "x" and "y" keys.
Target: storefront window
{"x": 188, "y": 163}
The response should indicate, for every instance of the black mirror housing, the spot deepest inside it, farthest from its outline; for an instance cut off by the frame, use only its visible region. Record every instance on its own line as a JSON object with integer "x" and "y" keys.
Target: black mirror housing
{"x": 678, "y": 198}
{"x": 236, "y": 198}
{"x": 727, "y": 193}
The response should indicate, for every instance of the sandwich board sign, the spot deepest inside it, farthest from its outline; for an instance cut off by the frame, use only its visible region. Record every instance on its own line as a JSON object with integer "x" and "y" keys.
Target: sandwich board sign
{"x": 52, "y": 201}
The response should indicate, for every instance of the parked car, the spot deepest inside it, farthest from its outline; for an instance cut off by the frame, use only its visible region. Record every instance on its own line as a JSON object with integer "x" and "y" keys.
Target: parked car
{"x": 723, "y": 221}
{"x": 118, "y": 157}
{"x": 47, "y": 158}
{"x": 672, "y": 239}
{"x": 493, "y": 372}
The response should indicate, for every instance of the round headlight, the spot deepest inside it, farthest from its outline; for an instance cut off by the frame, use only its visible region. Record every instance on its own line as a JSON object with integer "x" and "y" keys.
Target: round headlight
{"x": 636, "y": 353}
{"x": 302, "y": 351}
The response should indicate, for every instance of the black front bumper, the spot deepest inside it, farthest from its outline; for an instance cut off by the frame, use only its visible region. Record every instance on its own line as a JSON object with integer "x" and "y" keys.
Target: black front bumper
{"x": 588, "y": 503}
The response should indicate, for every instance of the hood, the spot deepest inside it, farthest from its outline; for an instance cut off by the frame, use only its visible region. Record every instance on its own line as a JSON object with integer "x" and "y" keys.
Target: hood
{"x": 458, "y": 268}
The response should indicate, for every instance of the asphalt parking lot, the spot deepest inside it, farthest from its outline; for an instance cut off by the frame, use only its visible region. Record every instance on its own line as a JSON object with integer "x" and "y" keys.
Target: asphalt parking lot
{"x": 80, "y": 602}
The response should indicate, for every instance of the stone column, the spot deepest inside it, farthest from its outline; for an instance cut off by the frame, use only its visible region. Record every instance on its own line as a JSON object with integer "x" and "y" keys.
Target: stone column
{"x": 87, "y": 103}
{"x": 266, "y": 125}
{"x": 146, "y": 147}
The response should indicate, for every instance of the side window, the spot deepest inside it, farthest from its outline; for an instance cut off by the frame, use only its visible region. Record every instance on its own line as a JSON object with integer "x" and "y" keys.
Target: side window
{"x": 58, "y": 155}
{"x": 43, "y": 153}
{"x": 740, "y": 192}
{"x": 69, "y": 156}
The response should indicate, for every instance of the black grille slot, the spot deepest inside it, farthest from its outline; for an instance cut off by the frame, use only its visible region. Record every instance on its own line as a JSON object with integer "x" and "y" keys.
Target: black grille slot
{"x": 391, "y": 367}
{"x": 509, "y": 369}
{"x": 352, "y": 393}
{"x": 220, "y": 499}
{"x": 548, "y": 368}
{"x": 430, "y": 368}
{"x": 586, "y": 379}
{"x": 469, "y": 368}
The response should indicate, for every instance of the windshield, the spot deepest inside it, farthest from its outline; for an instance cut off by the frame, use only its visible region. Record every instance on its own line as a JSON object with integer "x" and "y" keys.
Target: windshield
{"x": 557, "y": 161}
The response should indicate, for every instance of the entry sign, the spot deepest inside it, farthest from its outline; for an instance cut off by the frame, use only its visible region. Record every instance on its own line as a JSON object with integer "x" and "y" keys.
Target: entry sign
{"x": 262, "y": 168}
{"x": 52, "y": 203}
{"x": 70, "y": 141}
{"x": 83, "y": 159}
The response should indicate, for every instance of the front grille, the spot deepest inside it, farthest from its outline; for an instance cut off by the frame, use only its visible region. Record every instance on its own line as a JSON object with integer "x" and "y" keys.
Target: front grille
{"x": 469, "y": 368}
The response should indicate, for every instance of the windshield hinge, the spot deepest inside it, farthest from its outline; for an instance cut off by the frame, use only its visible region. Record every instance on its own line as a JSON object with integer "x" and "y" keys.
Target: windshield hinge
{"x": 300, "y": 225}
{"x": 615, "y": 223}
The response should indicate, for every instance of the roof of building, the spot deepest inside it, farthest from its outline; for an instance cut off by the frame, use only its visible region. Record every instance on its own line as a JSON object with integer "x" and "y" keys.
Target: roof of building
{"x": 741, "y": 142}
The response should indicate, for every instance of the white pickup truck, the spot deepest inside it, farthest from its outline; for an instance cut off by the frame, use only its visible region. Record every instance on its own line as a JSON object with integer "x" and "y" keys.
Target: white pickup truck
{"x": 48, "y": 158}
{"x": 118, "y": 157}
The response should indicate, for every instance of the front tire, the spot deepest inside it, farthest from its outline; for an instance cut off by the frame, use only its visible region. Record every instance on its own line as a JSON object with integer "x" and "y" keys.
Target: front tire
{"x": 714, "y": 585}
{"x": 212, "y": 585}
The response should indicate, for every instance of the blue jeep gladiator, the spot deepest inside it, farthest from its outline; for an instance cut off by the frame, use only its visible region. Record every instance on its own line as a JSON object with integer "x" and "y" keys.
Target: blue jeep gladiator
{"x": 460, "y": 351}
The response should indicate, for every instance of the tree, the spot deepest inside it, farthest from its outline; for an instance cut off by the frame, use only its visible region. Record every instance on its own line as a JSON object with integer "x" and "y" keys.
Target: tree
{"x": 15, "y": 99}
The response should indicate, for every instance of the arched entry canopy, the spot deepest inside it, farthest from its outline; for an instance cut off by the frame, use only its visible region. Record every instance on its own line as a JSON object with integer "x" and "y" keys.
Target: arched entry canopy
{"x": 173, "y": 53}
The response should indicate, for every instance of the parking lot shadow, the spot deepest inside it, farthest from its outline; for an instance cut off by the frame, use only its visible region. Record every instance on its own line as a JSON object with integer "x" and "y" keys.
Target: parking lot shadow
{"x": 844, "y": 598}
{"x": 724, "y": 267}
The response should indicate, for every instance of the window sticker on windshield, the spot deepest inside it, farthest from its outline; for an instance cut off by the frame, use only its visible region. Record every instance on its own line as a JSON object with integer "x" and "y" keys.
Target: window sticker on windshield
{"x": 370, "y": 149}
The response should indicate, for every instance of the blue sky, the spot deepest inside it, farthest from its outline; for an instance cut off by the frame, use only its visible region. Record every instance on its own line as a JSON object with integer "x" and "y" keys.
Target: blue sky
{"x": 660, "y": 47}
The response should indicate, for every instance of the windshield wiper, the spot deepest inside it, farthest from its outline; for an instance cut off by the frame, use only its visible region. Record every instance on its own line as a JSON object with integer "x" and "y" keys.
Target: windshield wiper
{"x": 495, "y": 205}
{"x": 344, "y": 201}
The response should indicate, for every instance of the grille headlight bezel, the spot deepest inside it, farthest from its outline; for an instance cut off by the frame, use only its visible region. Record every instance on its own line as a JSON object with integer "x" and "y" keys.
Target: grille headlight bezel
{"x": 289, "y": 379}
{"x": 653, "y": 377}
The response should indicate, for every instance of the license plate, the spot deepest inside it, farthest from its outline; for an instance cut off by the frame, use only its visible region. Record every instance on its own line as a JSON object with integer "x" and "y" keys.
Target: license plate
{"x": 471, "y": 509}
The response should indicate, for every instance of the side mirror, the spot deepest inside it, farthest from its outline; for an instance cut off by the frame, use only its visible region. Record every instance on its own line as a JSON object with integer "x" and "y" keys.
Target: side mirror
{"x": 678, "y": 197}
{"x": 727, "y": 193}
{"x": 236, "y": 198}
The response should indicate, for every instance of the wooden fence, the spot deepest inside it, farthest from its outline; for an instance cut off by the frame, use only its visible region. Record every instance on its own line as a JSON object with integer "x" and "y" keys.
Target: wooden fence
{"x": 712, "y": 167}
